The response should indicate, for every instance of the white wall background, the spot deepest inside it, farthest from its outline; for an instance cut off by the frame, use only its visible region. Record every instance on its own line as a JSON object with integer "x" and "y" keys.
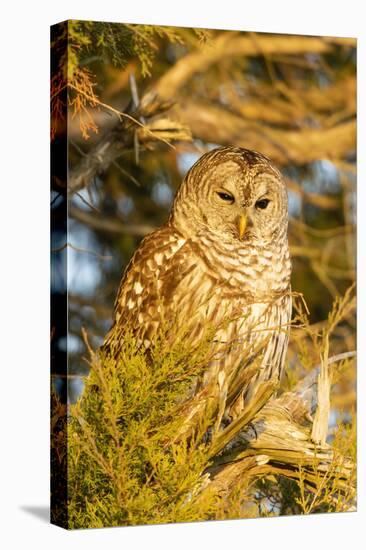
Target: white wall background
{"x": 24, "y": 273}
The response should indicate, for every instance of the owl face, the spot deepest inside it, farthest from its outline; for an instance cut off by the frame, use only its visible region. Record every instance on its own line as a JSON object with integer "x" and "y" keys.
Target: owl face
{"x": 235, "y": 193}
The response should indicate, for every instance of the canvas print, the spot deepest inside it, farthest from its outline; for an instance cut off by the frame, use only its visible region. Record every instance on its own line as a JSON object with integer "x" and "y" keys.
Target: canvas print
{"x": 203, "y": 249}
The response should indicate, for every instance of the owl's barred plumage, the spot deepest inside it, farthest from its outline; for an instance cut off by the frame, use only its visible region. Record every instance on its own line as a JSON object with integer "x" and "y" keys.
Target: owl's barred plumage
{"x": 221, "y": 260}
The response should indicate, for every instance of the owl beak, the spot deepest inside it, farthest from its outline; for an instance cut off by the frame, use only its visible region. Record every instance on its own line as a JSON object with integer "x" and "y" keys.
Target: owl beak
{"x": 242, "y": 225}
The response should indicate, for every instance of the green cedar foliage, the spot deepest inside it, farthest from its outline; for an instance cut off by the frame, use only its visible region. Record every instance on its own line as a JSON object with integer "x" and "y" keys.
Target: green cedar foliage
{"x": 124, "y": 465}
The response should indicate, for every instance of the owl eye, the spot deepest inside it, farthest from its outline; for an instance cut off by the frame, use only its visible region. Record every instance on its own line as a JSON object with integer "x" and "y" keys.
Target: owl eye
{"x": 226, "y": 197}
{"x": 262, "y": 204}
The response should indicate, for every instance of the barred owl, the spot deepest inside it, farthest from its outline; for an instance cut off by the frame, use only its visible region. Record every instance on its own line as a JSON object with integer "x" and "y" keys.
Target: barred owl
{"x": 222, "y": 258}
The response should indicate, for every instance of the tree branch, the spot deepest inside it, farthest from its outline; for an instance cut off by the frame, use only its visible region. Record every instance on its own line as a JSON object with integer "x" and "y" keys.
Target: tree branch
{"x": 227, "y": 45}
{"x": 109, "y": 225}
{"x": 206, "y": 125}
{"x": 278, "y": 441}
{"x": 282, "y": 146}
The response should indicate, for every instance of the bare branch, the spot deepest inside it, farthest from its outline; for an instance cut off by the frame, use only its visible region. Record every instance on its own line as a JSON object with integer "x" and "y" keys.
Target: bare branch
{"x": 277, "y": 441}
{"x": 227, "y": 45}
{"x": 119, "y": 139}
{"x": 109, "y": 225}
{"x": 78, "y": 249}
{"x": 283, "y": 146}
{"x": 320, "y": 426}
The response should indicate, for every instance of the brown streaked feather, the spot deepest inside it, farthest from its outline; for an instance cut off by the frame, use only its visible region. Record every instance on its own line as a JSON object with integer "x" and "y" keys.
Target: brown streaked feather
{"x": 180, "y": 277}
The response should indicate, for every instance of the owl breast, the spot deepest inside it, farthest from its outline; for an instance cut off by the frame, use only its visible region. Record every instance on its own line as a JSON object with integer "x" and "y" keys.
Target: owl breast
{"x": 249, "y": 330}
{"x": 189, "y": 287}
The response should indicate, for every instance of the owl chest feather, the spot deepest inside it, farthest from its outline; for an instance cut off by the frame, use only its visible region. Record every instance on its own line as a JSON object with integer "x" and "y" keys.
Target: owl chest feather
{"x": 231, "y": 308}
{"x": 249, "y": 325}
{"x": 174, "y": 280}
{"x": 246, "y": 301}
{"x": 231, "y": 279}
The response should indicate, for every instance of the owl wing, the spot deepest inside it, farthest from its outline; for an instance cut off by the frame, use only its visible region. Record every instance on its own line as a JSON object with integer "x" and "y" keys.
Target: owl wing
{"x": 273, "y": 333}
{"x": 145, "y": 295}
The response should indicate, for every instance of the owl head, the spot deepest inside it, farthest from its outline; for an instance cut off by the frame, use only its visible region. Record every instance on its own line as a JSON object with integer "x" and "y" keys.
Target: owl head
{"x": 235, "y": 193}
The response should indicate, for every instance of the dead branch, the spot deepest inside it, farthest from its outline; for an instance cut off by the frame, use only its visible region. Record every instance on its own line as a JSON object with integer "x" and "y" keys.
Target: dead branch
{"x": 320, "y": 425}
{"x": 278, "y": 441}
{"x": 121, "y": 138}
{"x": 283, "y": 146}
{"x": 227, "y": 45}
{"x": 283, "y": 437}
{"x": 100, "y": 157}
{"x": 109, "y": 225}
{"x": 79, "y": 249}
